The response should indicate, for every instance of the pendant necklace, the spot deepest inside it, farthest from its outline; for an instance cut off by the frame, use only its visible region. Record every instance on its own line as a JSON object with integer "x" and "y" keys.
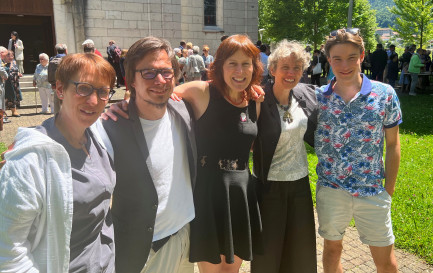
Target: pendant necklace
{"x": 287, "y": 116}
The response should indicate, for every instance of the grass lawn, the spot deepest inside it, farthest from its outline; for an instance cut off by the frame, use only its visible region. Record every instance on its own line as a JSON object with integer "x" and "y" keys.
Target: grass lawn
{"x": 412, "y": 207}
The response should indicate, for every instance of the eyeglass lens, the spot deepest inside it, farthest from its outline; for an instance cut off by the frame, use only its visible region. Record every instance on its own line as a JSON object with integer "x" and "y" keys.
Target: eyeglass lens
{"x": 85, "y": 89}
{"x": 149, "y": 74}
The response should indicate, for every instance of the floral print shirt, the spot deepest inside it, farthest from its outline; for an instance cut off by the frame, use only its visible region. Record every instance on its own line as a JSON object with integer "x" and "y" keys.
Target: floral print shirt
{"x": 349, "y": 138}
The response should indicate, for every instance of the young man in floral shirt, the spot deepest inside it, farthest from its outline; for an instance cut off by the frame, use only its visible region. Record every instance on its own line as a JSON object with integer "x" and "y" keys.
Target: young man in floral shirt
{"x": 356, "y": 117}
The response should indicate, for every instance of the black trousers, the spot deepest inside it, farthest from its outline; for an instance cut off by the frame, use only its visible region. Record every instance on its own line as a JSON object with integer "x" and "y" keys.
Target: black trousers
{"x": 288, "y": 229}
{"x": 315, "y": 79}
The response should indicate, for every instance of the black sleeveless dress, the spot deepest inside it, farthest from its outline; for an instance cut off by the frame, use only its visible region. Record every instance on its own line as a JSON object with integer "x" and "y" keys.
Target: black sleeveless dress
{"x": 227, "y": 217}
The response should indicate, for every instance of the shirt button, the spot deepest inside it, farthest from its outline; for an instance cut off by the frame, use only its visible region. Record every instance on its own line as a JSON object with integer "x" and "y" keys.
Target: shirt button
{"x": 150, "y": 229}
{"x": 155, "y": 207}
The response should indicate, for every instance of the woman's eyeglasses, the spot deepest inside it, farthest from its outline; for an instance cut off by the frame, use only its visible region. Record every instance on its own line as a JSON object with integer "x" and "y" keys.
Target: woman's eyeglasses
{"x": 85, "y": 89}
{"x": 150, "y": 74}
{"x": 353, "y": 31}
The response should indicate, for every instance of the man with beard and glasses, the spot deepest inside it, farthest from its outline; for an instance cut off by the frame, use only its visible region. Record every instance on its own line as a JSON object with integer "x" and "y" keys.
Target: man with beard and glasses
{"x": 155, "y": 162}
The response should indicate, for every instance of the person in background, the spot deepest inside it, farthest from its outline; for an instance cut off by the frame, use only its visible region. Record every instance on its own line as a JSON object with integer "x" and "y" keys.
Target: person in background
{"x": 12, "y": 85}
{"x": 288, "y": 117}
{"x": 40, "y": 80}
{"x": 3, "y": 78}
{"x": 264, "y": 61}
{"x": 356, "y": 118}
{"x": 182, "y": 45}
{"x": 414, "y": 69}
{"x": 90, "y": 44}
{"x": 378, "y": 61}
{"x": 89, "y": 48}
{"x": 208, "y": 60}
{"x": 58, "y": 180}
{"x": 177, "y": 53}
{"x": 114, "y": 59}
{"x": 61, "y": 51}
{"x": 315, "y": 76}
{"x": 183, "y": 61}
{"x": 223, "y": 38}
{"x": 122, "y": 68}
{"x": 16, "y": 45}
{"x": 195, "y": 65}
{"x": 392, "y": 66}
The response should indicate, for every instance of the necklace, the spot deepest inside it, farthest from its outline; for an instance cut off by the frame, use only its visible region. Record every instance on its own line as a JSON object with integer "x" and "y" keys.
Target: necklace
{"x": 287, "y": 116}
{"x": 236, "y": 103}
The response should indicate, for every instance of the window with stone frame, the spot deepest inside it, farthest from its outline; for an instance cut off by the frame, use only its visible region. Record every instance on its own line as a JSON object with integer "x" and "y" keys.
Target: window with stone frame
{"x": 210, "y": 13}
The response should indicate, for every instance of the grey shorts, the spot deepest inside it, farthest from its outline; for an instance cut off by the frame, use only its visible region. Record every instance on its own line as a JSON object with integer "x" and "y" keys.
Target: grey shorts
{"x": 372, "y": 214}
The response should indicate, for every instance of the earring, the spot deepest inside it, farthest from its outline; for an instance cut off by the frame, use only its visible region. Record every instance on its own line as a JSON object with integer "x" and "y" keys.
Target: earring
{"x": 60, "y": 95}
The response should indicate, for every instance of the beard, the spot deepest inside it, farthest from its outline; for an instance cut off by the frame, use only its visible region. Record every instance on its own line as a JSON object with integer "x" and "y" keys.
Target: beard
{"x": 157, "y": 105}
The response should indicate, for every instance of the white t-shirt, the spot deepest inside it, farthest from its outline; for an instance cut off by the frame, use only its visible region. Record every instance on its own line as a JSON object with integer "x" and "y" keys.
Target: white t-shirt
{"x": 169, "y": 167}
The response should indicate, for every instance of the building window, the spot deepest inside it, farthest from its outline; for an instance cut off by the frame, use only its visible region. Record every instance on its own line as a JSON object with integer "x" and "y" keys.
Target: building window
{"x": 210, "y": 12}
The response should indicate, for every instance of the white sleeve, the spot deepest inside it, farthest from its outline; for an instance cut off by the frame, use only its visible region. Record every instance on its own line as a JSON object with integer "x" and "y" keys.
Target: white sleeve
{"x": 21, "y": 204}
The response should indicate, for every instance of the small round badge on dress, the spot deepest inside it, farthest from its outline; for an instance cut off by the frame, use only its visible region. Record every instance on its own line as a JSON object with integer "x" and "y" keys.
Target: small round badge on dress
{"x": 243, "y": 117}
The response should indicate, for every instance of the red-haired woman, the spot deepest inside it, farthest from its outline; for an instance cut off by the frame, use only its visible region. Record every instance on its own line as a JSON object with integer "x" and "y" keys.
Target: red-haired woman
{"x": 227, "y": 225}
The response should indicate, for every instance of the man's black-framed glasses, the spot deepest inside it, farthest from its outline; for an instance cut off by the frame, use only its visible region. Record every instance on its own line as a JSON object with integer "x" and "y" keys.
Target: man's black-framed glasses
{"x": 151, "y": 73}
{"x": 85, "y": 89}
{"x": 354, "y": 31}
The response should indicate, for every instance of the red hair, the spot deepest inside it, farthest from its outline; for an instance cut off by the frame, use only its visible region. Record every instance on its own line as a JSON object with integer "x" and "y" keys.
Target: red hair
{"x": 226, "y": 49}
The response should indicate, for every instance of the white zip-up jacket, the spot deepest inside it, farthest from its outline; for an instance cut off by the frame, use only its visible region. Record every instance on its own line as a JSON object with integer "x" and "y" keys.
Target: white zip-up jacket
{"x": 36, "y": 204}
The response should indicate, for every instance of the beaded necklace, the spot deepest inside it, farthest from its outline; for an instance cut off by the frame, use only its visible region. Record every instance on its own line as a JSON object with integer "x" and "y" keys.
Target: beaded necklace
{"x": 287, "y": 116}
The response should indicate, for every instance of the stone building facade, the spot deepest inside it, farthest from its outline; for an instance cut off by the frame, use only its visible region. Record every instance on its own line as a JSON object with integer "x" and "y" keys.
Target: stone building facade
{"x": 126, "y": 21}
{"x": 43, "y": 23}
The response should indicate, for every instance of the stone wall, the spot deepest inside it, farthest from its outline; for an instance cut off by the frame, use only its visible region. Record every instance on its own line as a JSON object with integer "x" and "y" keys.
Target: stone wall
{"x": 126, "y": 21}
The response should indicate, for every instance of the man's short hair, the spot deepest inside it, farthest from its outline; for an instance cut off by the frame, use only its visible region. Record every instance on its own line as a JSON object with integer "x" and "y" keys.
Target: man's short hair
{"x": 140, "y": 50}
{"x": 2, "y": 48}
{"x": 392, "y": 46}
{"x": 44, "y": 55}
{"x": 61, "y": 48}
{"x": 380, "y": 46}
{"x": 89, "y": 48}
{"x": 195, "y": 49}
{"x": 262, "y": 48}
{"x": 224, "y": 37}
{"x": 343, "y": 37}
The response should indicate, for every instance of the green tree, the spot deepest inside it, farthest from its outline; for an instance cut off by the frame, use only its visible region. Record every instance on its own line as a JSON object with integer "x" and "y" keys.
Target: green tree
{"x": 414, "y": 20}
{"x": 310, "y": 21}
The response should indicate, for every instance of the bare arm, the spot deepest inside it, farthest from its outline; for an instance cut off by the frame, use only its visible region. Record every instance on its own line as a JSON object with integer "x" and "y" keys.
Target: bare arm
{"x": 392, "y": 158}
{"x": 196, "y": 93}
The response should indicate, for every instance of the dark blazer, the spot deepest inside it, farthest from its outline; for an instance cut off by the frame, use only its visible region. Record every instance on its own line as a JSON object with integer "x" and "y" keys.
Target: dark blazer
{"x": 269, "y": 125}
{"x": 135, "y": 200}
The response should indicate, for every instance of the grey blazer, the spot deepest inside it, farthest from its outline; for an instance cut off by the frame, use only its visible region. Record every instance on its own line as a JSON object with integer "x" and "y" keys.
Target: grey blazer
{"x": 135, "y": 200}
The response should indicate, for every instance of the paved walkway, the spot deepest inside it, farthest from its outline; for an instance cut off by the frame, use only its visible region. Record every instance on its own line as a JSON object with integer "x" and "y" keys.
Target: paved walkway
{"x": 356, "y": 256}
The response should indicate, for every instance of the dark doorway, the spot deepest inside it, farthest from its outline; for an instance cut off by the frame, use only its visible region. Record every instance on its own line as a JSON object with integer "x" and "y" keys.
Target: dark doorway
{"x": 36, "y": 33}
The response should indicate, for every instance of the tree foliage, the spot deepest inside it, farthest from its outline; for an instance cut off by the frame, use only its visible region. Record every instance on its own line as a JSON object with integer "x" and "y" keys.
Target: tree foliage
{"x": 414, "y": 22}
{"x": 310, "y": 21}
{"x": 384, "y": 17}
